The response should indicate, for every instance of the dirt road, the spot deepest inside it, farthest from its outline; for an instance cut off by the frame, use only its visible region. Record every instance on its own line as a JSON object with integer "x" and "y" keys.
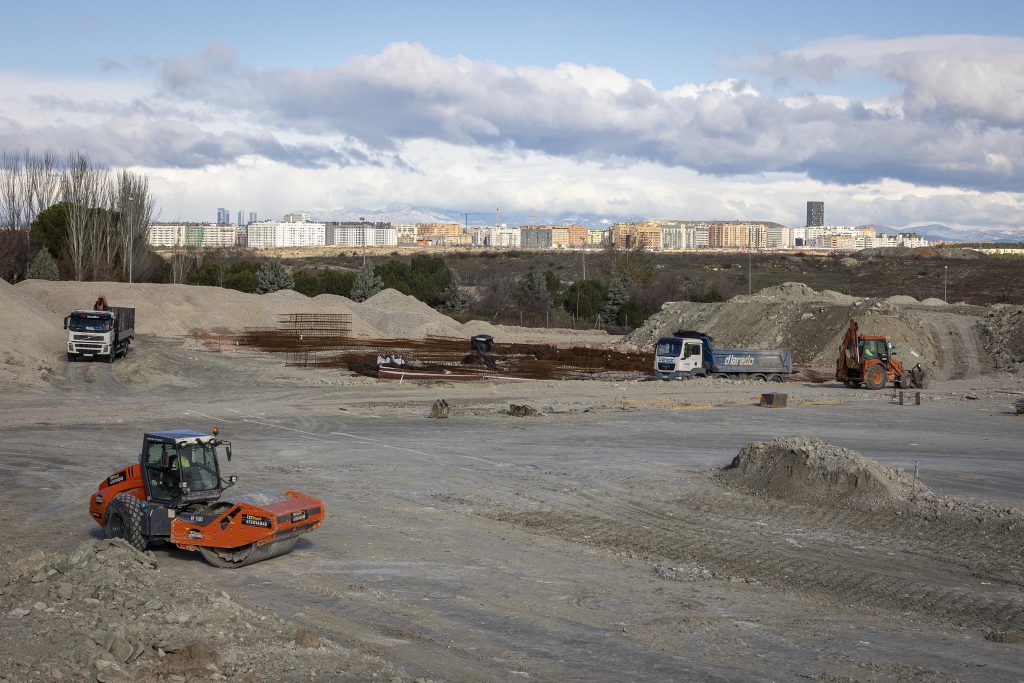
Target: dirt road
{"x": 592, "y": 543}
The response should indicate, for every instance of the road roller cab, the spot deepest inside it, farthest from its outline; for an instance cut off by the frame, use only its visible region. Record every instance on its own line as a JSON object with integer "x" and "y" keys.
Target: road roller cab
{"x": 176, "y": 493}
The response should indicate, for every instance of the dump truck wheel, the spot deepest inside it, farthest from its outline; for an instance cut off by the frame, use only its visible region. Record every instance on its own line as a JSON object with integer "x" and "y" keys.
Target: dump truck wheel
{"x": 874, "y": 378}
{"x": 124, "y": 520}
{"x": 777, "y": 378}
{"x": 760, "y": 378}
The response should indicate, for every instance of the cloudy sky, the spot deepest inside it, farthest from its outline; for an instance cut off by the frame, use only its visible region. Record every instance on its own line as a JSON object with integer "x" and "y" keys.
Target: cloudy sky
{"x": 892, "y": 113}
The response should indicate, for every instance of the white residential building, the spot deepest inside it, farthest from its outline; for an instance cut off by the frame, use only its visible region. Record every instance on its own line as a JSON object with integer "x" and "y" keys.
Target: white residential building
{"x": 779, "y": 237}
{"x": 361, "y": 234}
{"x": 216, "y": 236}
{"x": 206, "y": 235}
{"x": 698, "y": 236}
{"x": 268, "y": 234}
{"x": 167, "y": 234}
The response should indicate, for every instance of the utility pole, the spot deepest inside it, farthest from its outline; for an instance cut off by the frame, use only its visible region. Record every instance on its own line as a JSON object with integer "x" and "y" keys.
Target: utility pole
{"x": 945, "y": 279}
{"x": 497, "y": 218}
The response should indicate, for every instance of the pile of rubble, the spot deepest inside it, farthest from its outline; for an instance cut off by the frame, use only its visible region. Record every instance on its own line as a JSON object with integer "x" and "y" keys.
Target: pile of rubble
{"x": 808, "y": 470}
{"x": 1002, "y": 335}
{"x": 105, "y": 612}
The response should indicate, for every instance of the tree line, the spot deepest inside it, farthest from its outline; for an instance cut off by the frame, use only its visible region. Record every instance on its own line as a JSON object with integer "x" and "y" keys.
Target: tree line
{"x": 73, "y": 217}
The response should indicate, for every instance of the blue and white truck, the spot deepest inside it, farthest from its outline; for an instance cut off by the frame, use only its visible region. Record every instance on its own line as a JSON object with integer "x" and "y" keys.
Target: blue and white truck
{"x": 689, "y": 354}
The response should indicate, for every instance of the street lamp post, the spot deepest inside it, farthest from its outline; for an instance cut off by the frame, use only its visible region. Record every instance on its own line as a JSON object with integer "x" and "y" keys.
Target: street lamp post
{"x": 131, "y": 242}
{"x": 945, "y": 279}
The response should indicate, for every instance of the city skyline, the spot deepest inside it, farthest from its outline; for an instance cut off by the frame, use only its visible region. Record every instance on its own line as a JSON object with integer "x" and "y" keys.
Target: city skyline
{"x": 661, "y": 110}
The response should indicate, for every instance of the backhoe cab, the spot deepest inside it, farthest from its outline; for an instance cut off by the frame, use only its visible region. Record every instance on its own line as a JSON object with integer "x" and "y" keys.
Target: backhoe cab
{"x": 870, "y": 361}
{"x": 176, "y": 494}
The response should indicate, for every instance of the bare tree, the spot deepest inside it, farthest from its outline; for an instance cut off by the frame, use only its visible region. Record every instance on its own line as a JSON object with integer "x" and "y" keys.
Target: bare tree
{"x": 42, "y": 177}
{"x": 105, "y": 242}
{"x": 79, "y": 189}
{"x": 135, "y": 206}
{"x": 12, "y": 191}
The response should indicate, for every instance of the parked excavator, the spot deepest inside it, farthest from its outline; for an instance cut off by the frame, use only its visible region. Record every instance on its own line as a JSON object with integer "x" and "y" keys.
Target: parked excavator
{"x": 870, "y": 361}
{"x": 176, "y": 492}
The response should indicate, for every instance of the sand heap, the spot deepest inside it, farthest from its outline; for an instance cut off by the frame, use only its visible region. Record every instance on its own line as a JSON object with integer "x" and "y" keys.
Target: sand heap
{"x": 808, "y": 470}
{"x": 105, "y": 612}
{"x": 169, "y": 310}
{"x": 31, "y": 337}
{"x": 797, "y": 291}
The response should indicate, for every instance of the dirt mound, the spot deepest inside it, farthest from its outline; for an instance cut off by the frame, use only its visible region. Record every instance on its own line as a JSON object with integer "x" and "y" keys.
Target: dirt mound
{"x": 811, "y": 325}
{"x": 109, "y": 614}
{"x": 796, "y": 291}
{"x": 31, "y": 338}
{"x": 395, "y": 314}
{"x": 808, "y": 470}
{"x": 932, "y": 301}
{"x": 1002, "y": 335}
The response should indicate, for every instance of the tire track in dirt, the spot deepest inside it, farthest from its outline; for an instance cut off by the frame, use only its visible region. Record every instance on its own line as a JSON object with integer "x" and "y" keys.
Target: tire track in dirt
{"x": 918, "y": 575}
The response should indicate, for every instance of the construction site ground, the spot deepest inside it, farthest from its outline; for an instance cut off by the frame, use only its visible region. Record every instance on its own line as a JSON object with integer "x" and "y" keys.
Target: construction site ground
{"x": 591, "y": 542}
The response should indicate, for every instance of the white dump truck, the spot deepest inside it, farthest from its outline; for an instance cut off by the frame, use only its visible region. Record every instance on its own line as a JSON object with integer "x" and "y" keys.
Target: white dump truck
{"x": 104, "y": 332}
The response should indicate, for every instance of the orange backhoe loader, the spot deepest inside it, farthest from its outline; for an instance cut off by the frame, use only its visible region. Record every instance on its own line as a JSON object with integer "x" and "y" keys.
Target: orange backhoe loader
{"x": 871, "y": 362}
{"x": 176, "y": 494}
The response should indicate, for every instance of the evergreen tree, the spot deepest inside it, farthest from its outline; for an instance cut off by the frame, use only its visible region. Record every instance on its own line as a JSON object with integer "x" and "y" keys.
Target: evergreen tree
{"x": 619, "y": 292}
{"x": 272, "y": 277}
{"x": 43, "y": 267}
{"x": 367, "y": 283}
{"x": 456, "y": 299}
{"x": 532, "y": 291}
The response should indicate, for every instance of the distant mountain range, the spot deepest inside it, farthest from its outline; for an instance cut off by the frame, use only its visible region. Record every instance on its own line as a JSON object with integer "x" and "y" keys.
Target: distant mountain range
{"x": 412, "y": 214}
{"x": 935, "y": 231}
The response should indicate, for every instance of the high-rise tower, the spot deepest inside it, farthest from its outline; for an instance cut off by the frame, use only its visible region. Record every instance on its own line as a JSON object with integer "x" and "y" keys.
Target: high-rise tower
{"x": 815, "y": 214}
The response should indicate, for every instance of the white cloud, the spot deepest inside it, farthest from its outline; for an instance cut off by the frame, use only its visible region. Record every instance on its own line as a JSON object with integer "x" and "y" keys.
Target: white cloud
{"x": 406, "y": 126}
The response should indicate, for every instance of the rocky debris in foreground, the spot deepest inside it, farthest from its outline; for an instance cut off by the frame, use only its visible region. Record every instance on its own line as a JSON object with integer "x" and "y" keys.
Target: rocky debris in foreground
{"x": 105, "y": 612}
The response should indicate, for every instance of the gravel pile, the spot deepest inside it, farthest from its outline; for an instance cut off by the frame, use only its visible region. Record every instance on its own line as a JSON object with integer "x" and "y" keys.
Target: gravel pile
{"x": 106, "y": 612}
{"x": 1002, "y": 335}
{"x": 808, "y": 470}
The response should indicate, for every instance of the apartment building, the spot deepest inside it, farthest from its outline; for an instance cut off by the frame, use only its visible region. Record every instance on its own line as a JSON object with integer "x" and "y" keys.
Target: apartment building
{"x": 269, "y": 234}
{"x": 597, "y": 238}
{"x": 429, "y": 230}
{"x": 646, "y": 235}
{"x": 204, "y": 235}
{"x": 536, "y": 238}
{"x": 697, "y": 236}
{"x": 673, "y": 235}
{"x": 360, "y": 234}
{"x": 405, "y": 233}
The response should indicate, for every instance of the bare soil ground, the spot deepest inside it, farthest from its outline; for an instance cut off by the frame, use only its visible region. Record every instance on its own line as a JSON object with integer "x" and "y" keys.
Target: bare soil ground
{"x": 593, "y": 542}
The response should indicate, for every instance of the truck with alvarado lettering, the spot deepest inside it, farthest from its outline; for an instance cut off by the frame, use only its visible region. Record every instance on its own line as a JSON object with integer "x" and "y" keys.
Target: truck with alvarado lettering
{"x": 689, "y": 354}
